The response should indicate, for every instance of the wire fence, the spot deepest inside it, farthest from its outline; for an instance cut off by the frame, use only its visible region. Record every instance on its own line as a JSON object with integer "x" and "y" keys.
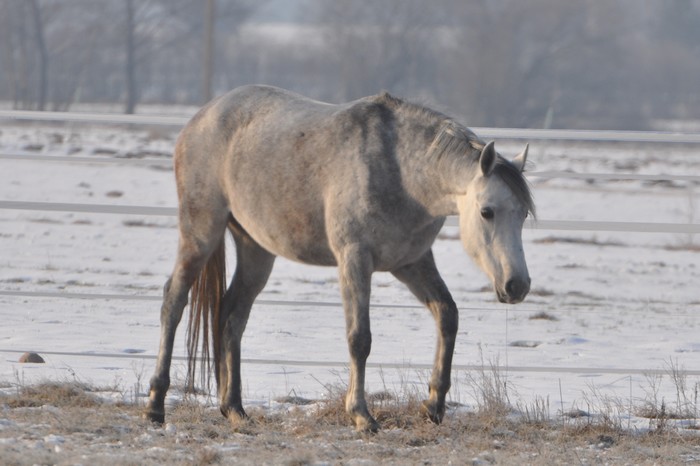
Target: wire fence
{"x": 561, "y": 225}
{"x": 113, "y": 209}
{"x": 664, "y": 137}
{"x": 380, "y": 365}
{"x": 167, "y": 162}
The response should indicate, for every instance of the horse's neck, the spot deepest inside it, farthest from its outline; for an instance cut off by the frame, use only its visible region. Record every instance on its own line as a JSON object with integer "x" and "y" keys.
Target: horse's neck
{"x": 456, "y": 174}
{"x": 437, "y": 184}
{"x": 435, "y": 178}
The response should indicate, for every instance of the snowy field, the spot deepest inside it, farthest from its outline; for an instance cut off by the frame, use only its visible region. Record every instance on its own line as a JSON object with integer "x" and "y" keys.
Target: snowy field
{"x": 621, "y": 309}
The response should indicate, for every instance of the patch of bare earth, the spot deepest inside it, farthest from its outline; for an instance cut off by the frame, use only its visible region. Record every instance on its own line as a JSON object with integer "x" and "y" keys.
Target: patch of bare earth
{"x": 69, "y": 424}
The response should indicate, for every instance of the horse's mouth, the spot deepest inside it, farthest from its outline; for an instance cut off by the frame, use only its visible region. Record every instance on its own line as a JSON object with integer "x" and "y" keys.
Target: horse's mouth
{"x": 514, "y": 292}
{"x": 505, "y": 299}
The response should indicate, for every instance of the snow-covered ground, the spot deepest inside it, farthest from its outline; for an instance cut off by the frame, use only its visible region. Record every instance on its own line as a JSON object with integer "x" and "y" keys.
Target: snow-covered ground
{"x": 620, "y": 305}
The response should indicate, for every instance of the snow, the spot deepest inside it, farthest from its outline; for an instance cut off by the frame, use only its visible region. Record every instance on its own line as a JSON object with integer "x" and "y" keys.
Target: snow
{"x": 623, "y": 306}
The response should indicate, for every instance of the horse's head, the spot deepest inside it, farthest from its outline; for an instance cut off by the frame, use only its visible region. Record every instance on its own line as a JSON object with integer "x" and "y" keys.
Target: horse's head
{"x": 491, "y": 216}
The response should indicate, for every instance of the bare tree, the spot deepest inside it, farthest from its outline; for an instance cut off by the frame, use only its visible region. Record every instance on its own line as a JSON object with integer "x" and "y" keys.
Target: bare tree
{"x": 377, "y": 45}
{"x": 496, "y": 62}
{"x": 24, "y": 50}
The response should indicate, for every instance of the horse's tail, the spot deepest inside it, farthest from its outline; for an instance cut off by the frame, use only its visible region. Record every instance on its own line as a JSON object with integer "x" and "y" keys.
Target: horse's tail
{"x": 205, "y": 305}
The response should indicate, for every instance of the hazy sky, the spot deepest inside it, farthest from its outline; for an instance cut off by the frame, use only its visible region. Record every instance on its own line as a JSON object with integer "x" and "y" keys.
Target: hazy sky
{"x": 280, "y": 10}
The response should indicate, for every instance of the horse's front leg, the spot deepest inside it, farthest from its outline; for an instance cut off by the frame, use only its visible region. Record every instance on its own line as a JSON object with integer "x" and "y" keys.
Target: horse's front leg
{"x": 355, "y": 271}
{"x": 424, "y": 281}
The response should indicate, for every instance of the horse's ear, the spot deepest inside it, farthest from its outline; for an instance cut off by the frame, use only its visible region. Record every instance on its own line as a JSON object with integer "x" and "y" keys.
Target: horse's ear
{"x": 487, "y": 160}
{"x": 521, "y": 158}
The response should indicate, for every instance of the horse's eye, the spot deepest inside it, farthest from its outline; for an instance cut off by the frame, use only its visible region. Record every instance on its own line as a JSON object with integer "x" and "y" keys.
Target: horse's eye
{"x": 487, "y": 213}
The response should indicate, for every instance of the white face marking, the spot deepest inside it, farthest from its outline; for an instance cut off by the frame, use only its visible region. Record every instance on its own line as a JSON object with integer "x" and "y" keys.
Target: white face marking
{"x": 491, "y": 223}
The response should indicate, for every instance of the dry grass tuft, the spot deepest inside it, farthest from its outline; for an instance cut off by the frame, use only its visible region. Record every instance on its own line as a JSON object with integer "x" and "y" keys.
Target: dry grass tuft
{"x": 689, "y": 247}
{"x": 207, "y": 456}
{"x": 61, "y": 395}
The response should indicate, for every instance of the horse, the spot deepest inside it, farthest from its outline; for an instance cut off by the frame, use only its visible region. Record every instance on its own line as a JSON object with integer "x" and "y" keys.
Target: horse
{"x": 364, "y": 186}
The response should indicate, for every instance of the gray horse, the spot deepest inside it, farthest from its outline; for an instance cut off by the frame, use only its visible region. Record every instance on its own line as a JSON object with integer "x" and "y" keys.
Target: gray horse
{"x": 364, "y": 186}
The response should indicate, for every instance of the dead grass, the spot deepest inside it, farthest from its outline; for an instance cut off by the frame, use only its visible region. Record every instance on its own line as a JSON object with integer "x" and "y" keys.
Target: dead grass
{"x": 61, "y": 395}
{"x": 688, "y": 247}
{"x": 66, "y": 423}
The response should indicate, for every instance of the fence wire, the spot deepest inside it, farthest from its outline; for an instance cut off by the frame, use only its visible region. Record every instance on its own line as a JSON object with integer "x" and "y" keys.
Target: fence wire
{"x": 500, "y": 133}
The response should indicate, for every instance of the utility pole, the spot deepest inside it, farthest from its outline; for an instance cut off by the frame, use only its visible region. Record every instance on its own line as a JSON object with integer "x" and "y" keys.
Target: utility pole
{"x": 43, "y": 55}
{"x": 208, "y": 76}
{"x": 130, "y": 69}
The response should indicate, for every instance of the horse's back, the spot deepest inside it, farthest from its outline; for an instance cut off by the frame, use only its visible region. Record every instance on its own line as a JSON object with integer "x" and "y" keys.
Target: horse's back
{"x": 300, "y": 176}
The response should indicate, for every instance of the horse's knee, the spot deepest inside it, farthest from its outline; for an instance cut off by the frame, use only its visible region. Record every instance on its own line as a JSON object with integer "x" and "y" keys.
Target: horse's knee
{"x": 359, "y": 343}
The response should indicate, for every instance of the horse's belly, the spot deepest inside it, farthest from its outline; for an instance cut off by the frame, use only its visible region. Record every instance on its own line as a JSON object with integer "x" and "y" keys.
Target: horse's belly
{"x": 313, "y": 254}
{"x": 300, "y": 240}
{"x": 394, "y": 256}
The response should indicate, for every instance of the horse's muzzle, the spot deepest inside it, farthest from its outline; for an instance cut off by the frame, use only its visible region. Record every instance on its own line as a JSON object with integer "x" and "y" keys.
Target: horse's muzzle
{"x": 515, "y": 291}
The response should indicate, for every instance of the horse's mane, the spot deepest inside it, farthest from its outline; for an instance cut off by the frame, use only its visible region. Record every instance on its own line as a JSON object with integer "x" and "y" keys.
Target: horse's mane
{"x": 454, "y": 139}
{"x": 518, "y": 184}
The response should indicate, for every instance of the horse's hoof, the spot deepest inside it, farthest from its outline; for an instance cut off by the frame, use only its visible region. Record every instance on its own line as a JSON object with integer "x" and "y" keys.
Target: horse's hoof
{"x": 434, "y": 413}
{"x": 366, "y": 426}
{"x": 233, "y": 413}
{"x": 154, "y": 417}
{"x": 239, "y": 420}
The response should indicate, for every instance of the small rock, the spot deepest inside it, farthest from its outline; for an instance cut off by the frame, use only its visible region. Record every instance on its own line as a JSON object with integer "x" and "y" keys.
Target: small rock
{"x": 31, "y": 358}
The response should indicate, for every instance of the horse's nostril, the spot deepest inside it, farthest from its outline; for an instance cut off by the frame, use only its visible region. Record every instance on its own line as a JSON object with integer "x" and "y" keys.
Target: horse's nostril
{"x": 517, "y": 288}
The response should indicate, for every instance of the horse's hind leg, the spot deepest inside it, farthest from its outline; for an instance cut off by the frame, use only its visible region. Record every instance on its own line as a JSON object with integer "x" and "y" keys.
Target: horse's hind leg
{"x": 199, "y": 238}
{"x": 253, "y": 268}
{"x": 424, "y": 281}
{"x": 174, "y": 301}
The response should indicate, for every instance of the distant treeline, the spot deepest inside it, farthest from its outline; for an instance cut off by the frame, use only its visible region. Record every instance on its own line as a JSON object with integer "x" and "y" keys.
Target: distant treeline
{"x": 619, "y": 64}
